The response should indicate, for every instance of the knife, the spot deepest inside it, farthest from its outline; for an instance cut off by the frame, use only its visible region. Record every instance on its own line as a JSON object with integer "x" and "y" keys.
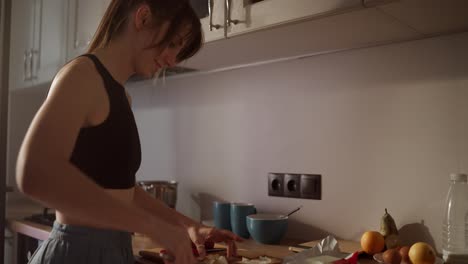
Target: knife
{"x": 298, "y": 248}
{"x": 154, "y": 257}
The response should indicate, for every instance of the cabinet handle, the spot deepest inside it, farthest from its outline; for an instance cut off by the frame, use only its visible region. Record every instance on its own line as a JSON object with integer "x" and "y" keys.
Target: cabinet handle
{"x": 79, "y": 44}
{"x": 28, "y": 65}
{"x": 230, "y": 21}
{"x": 25, "y": 65}
{"x": 76, "y": 25}
{"x": 31, "y": 64}
{"x": 75, "y": 34}
{"x": 36, "y": 51}
{"x": 210, "y": 12}
{"x": 34, "y": 75}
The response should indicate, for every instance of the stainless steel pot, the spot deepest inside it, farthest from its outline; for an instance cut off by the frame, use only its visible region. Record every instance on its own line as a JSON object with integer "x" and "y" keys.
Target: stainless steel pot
{"x": 165, "y": 191}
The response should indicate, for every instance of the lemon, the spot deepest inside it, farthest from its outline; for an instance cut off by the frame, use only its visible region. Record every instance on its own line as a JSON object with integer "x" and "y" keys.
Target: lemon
{"x": 422, "y": 253}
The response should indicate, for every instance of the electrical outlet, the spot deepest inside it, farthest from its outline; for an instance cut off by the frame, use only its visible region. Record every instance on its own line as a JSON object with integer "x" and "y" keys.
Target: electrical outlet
{"x": 305, "y": 186}
{"x": 311, "y": 186}
{"x": 292, "y": 185}
{"x": 275, "y": 184}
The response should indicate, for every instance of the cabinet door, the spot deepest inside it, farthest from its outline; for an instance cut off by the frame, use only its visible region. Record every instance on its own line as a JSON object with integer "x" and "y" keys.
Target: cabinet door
{"x": 9, "y": 247}
{"x": 83, "y": 19}
{"x": 49, "y": 38}
{"x": 250, "y": 15}
{"x": 21, "y": 44}
{"x": 211, "y": 14}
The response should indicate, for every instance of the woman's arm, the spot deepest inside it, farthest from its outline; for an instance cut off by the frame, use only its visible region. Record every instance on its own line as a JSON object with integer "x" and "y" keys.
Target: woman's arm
{"x": 155, "y": 206}
{"x": 45, "y": 173}
{"x": 198, "y": 233}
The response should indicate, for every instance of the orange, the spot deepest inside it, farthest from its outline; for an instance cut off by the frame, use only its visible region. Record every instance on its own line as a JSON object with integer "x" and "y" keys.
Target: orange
{"x": 422, "y": 253}
{"x": 372, "y": 242}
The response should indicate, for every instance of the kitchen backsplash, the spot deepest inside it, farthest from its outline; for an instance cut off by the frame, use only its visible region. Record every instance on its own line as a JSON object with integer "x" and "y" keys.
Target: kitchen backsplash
{"x": 384, "y": 126}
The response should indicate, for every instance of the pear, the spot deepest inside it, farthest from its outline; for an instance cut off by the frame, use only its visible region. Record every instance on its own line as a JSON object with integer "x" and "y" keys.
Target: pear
{"x": 389, "y": 230}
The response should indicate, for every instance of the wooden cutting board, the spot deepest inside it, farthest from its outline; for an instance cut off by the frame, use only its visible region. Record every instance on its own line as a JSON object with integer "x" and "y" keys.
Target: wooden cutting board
{"x": 251, "y": 249}
{"x": 153, "y": 255}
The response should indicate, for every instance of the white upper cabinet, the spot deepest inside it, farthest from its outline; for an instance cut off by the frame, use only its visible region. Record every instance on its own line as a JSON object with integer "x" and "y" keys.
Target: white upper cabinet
{"x": 83, "y": 19}
{"x": 430, "y": 17}
{"x": 249, "y": 15}
{"x": 288, "y": 29}
{"x": 21, "y": 47}
{"x": 50, "y": 32}
{"x": 223, "y": 18}
{"x": 212, "y": 18}
{"x": 36, "y": 47}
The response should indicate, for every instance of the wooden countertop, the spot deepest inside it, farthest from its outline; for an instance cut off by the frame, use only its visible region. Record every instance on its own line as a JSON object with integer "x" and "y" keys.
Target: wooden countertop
{"x": 141, "y": 242}
{"x": 248, "y": 248}
{"x": 28, "y": 228}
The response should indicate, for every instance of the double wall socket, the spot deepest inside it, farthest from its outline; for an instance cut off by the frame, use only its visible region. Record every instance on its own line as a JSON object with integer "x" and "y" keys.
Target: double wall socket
{"x": 307, "y": 186}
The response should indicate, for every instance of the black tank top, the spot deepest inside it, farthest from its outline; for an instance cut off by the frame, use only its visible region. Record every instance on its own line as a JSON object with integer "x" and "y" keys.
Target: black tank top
{"x": 110, "y": 153}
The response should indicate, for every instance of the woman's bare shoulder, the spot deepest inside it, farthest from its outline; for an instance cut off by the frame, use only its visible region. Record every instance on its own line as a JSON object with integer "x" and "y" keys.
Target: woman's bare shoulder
{"x": 78, "y": 78}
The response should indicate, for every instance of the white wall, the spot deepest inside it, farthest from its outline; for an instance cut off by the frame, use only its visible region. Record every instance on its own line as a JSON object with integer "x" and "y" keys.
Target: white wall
{"x": 384, "y": 126}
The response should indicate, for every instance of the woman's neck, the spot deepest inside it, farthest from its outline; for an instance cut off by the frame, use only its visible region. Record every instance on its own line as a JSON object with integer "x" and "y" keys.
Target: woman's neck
{"x": 117, "y": 59}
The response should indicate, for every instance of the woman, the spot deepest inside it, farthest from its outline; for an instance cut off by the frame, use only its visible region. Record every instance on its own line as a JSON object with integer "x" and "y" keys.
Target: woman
{"x": 82, "y": 150}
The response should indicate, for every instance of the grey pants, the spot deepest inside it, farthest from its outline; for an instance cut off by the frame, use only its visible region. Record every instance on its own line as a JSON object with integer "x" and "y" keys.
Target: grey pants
{"x": 80, "y": 245}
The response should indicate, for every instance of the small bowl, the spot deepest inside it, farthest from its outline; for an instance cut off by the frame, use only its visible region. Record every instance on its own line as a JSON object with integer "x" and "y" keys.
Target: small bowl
{"x": 267, "y": 228}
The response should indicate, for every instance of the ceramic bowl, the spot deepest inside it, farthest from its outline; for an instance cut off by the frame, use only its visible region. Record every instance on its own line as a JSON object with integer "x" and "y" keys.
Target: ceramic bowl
{"x": 267, "y": 228}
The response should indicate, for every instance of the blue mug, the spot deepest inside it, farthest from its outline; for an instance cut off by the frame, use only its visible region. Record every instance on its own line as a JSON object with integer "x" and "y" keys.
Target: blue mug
{"x": 239, "y": 213}
{"x": 222, "y": 215}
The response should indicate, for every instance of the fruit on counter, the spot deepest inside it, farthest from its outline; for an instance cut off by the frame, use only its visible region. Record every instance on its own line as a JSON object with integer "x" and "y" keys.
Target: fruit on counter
{"x": 372, "y": 242}
{"x": 391, "y": 256}
{"x": 391, "y": 241}
{"x": 389, "y": 230}
{"x": 404, "y": 254}
{"x": 422, "y": 253}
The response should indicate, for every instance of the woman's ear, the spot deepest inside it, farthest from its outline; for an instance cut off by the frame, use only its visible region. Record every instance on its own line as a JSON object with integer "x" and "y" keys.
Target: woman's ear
{"x": 142, "y": 17}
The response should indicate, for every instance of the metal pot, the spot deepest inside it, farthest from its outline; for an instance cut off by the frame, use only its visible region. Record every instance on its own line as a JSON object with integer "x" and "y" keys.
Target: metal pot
{"x": 165, "y": 191}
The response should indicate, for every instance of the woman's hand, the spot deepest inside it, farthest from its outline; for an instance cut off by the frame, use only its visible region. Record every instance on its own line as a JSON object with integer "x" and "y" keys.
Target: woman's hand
{"x": 176, "y": 243}
{"x": 200, "y": 234}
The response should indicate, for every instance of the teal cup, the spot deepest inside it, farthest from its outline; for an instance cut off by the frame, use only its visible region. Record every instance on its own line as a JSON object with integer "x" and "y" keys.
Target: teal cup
{"x": 239, "y": 213}
{"x": 267, "y": 229}
{"x": 222, "y": 215}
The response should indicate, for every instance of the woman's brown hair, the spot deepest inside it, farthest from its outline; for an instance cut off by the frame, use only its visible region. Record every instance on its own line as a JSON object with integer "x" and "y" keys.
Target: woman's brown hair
{"x": 178, "y": 13}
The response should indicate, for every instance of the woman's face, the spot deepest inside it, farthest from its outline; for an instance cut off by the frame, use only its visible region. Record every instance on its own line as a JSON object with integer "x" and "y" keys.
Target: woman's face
{"x": 150, "y": 59}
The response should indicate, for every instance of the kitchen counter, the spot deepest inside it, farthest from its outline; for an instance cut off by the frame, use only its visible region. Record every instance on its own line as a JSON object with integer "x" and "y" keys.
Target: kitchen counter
{"x": 19, "y": 206}
{"x": 248, "y": 248}
{"x": 141, "y": 242}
